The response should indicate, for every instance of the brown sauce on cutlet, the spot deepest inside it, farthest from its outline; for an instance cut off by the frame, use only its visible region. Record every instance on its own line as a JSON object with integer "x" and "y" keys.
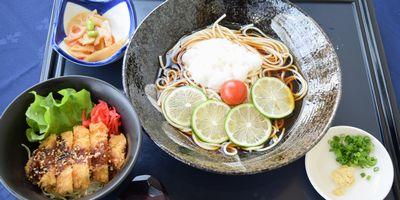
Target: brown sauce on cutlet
{"x": 80, "y": 155}
{"x": 43, "y": 159}
{"x": 63, "y": 157}
{"x": 100, "y": 155}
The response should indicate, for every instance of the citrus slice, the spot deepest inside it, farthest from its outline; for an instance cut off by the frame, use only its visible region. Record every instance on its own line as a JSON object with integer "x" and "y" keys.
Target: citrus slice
{"x": 246, "y": 126}
{"x": 208, "y": 121}
{"x": 179, "y": 104}
{"x": 207, "y": 146}
{"x": 182, "y": 128}
{"x": 272, "y": 97}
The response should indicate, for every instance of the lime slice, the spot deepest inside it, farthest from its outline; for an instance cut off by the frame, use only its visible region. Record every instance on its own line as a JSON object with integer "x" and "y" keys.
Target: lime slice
{"x": 272, "y": 97}
{"x": 179, "y": 104}
{"x": 182, "y": 128}
{"x": 207, "y": 146}
{"x": 246, "y": 126}
{"x": 208, "y": 121}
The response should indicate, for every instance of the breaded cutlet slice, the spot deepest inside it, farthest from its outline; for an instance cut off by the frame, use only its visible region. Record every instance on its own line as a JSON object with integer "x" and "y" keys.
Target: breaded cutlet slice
{"x": 40, "y": 167}
{"x": 65, "y": 181}
{"x": 99, "y": 149}
{"x": 81, "y": 147}
{"x": 117, "y": 145}
{"x": 68, "y": 139}
{"x": 50, "y": 142}
{"x": 64, "y": 167}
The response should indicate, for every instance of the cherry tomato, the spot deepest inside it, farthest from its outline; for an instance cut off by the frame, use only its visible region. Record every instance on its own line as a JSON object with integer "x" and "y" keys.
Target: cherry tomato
{"x": 233, "y": 92}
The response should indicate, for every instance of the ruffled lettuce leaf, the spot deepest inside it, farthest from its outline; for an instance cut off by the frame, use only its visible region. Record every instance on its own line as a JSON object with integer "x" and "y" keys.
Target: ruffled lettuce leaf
{"x": 47, "y": 115}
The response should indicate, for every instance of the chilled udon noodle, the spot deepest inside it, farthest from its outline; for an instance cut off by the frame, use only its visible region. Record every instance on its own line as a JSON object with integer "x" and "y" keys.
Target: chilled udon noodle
{"x": 277, "y": 61}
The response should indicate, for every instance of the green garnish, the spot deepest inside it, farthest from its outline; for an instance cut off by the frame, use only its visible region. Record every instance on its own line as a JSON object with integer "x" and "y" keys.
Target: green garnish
{"x": 362, "y": 175}
{"x": 369, "y": 177}
{"x": 90, "y": 25}
{"x": 92, "y": 33}
{"x": 353, "y": 150}
{"x": 47, "y": 115}
{"x": 376, "y": 169}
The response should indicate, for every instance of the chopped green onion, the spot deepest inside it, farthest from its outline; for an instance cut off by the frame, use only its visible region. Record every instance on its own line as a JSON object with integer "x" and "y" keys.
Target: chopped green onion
{"x": 353, "y": 150}
{"x": 92, "y": 33}
{"x": 362, "y": 175}
{"x": 369, "y": 177}
{"x": 89, "y": 25}
{"x": 376, "y": 169}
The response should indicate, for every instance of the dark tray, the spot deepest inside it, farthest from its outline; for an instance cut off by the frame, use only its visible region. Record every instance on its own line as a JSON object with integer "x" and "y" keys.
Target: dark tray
{"x": 367, "y": 102}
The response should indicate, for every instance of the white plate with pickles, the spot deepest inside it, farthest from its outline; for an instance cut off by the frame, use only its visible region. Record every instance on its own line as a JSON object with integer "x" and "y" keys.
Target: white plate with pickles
{"x": 349, "y": 163}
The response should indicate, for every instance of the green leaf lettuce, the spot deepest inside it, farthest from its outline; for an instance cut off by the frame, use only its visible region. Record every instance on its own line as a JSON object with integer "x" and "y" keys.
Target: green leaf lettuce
{"x": 47, "y": 115}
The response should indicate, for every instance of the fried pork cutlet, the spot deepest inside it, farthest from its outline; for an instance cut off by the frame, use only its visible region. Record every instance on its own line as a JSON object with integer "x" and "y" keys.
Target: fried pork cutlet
{"x": 99, "y": 149}
{"x": 67, "y": 163}
{"x": 40, "y": 167}
{"x": 117, "y": 144}
{"x": 64, "y": 164}
{"x": 81, "y": 147}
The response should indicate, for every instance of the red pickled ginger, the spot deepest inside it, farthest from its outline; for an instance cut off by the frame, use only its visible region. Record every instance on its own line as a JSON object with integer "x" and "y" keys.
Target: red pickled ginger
{"x": 101, "y": 112}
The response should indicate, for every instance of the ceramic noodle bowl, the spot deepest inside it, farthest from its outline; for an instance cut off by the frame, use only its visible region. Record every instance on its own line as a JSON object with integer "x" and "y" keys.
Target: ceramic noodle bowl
{"x": 282, "y": 20}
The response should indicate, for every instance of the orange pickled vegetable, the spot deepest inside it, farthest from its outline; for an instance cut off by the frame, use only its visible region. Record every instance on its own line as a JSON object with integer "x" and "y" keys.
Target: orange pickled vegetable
{"x": 102, "y": 113}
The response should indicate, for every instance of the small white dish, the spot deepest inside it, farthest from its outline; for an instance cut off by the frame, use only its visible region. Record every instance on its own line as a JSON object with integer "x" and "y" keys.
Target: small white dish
{"x": 320, "y": 163}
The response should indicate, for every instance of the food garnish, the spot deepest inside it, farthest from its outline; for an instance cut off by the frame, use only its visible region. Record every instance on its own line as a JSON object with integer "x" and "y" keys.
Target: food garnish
{"x": 233, "y": 92}
{"x": 47, "y": 115}
{"x": 213, "y": 61}
{"x": 181, "y": 102}
{"x": 90, "y": 25}
{"x": 208, "y": 121}
{"x": 344, "y": 179}
{"x": 272, "y": 97}
{"x": 247, "y": 127}
{"x": 353, "y": 150}
{"x": 101, "y": 112}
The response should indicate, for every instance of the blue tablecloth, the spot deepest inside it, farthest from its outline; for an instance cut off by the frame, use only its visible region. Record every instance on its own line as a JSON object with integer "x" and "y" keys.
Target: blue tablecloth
{"x": 23, "y": 32}
{"x": 388, "y": 15}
